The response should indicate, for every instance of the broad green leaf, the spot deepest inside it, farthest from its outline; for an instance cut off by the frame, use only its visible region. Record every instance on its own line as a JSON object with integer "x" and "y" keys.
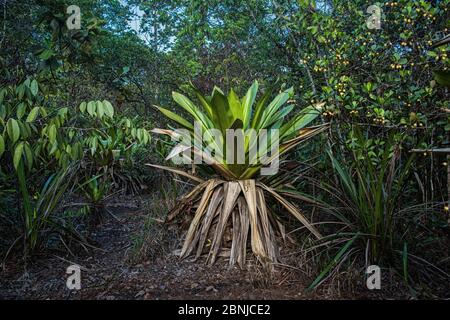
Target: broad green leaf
{"x": 235, "y": 105}
{"x": 205, "y": 103}
{"x": 63, "y": 112}
{"x": 100, "y": 110}
{"x": 33, "y": 114}
{"x": 20, "y": 90}
{"x": 53, "y": 148}
{"x": 280, "y": 114}
{"x": 272, "y": 108}
{"x": 52, "y": 133}
{"x": 109, "y": 109}
{"x": 91, "y": 108}
{"x": 140, "y": 134}
{"x": 190, "y": 107}
{"x": 34, "y": 87}
{"x": 222, "y": 115}
{"x": 185, "y": 103}
{"x": 17, "y": 155}
{"x": 13, "y": 130}
{"x": 205, "y": 122}
{"x": 83, "y": 106}
{"x": 43, "y": 111}
{"x": 247, "y": 103}
{"x": 21, "y": 110}
{"x": 145, "y": 137}
{"x": 173, "y": 116}
{"x": 301, "y": 120}
{"x": 25, "y": 130}
{"x": 260, "y": 107}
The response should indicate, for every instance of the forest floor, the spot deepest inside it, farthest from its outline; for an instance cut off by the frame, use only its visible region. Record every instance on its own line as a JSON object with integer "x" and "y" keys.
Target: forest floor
{"x": 110, "y": 272}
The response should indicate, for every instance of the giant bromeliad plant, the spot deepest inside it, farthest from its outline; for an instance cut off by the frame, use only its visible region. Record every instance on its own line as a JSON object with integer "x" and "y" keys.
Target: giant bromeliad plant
{"x": 233, "y": 202}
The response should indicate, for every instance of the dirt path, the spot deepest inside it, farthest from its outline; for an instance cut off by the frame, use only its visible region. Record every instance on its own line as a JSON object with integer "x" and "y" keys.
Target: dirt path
{"x": 109, "y": 274}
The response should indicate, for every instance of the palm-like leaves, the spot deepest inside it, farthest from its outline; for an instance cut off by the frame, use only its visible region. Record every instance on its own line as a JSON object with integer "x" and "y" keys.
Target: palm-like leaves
{"x": 236, "y": 198}
{"x": 230, "y": 112}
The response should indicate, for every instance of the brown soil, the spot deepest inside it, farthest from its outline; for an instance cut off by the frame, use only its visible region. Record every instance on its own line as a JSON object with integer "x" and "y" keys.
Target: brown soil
{"x": 110, "y": 274}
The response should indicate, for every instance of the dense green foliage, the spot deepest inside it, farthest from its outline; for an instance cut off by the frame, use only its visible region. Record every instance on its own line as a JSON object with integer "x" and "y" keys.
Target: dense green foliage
{"x": 77, "y": 106}
{"x": 40, "y": 138}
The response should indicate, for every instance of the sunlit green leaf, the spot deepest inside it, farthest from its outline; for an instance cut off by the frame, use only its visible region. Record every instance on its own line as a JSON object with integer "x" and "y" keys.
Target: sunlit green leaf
{"x": 33, "y": 114}
{"x": 109, "y": 109}
{"x": 13, "y": 130}
{"x": 17, "y": 157}
{"x": 34, "y": 87}
{"x": 83, "y": 107}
